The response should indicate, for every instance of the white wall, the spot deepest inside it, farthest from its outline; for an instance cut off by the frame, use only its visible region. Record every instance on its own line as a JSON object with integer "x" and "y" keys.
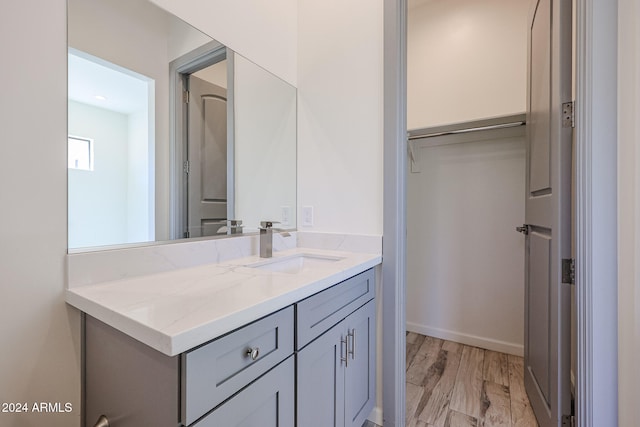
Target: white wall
{"x": 39, "y": 334}
{"x": 465, "y": 271}
{"x": 183, "y": 38}
{"x": 340, "y": 114}
{"x": 465, "y": 261}
{"x": 628, "y": 213}
{"x": 140, "y": 176}
{"x": 263, "y": 31}
{"x": 265, "y": 145}
{"x": 216, "y": 73}
{"x": 98, "y": 199}
{"x": 466, "y": 59}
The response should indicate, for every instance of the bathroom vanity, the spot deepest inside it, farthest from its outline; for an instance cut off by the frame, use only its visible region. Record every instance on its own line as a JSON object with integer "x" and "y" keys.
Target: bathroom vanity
{"x": 288, "y": 341}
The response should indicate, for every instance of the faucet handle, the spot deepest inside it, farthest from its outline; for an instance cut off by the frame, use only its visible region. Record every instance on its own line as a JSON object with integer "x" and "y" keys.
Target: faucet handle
{"x": 268, "y": 224}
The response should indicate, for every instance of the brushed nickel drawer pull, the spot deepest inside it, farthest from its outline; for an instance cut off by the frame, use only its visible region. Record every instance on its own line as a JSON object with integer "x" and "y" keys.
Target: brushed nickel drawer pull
{"x": 345, "y": 359}
{"x": 253, "y": 353}
{"x": 352, "y": 352}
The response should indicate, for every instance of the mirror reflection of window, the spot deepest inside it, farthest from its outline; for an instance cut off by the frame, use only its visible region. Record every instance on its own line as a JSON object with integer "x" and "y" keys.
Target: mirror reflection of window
{"x": 109, "y": 106}
{"x": 80, "y": 153}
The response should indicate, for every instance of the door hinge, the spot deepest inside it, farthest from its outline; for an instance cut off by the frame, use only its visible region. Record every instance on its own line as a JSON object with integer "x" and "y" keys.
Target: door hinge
{"x": 185, "y": 96}
{"x": 568, "y": 421}
{"x": 186, "y": 167}
{"x": 569, "y": 271}
{"x": 568, "y": 117}
{"x": 524, "y": 229}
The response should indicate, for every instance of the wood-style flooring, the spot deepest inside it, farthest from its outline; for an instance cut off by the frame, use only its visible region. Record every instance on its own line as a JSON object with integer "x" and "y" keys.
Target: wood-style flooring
{"x": 455, "y": 385}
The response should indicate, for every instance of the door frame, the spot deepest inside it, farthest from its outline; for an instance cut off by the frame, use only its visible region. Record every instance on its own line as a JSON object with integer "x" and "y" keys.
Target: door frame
{"x": 596, "y": 212}
{"x": 394, "y": 242}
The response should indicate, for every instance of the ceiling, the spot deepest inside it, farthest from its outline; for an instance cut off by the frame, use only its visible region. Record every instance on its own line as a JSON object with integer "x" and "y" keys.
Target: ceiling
{"x": 90, "y": 77}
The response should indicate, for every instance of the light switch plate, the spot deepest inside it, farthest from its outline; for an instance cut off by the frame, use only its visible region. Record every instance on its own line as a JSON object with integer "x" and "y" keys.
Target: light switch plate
{"x": 285, "y": 216}
{"x": 307, "y": 216}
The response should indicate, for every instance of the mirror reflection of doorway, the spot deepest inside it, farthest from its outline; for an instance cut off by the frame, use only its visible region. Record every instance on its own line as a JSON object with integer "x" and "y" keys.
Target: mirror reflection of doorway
{"x": 206, "y": 167}
{"x": 203, "y": 142}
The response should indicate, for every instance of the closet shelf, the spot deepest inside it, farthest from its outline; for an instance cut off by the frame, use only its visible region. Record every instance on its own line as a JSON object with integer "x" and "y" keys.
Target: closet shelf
{"x": 471, "y": 131}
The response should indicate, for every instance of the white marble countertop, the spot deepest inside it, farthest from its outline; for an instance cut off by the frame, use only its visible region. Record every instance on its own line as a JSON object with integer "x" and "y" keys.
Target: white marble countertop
{"x": 177, "y": 310}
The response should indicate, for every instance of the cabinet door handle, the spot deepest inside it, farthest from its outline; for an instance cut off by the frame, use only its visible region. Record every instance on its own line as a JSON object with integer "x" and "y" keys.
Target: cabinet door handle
{"x": 253, "y": 353}
{"x": 345, "y": 359}
{"x": 103, "y": 421}
{"x": 352, "y": 352}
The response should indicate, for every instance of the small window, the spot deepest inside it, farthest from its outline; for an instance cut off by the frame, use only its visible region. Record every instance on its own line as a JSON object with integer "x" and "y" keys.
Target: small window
{"x": 80, "y": 153}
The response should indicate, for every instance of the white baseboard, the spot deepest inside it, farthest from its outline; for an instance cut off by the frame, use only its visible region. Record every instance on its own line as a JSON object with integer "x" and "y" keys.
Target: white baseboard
{"x": 473, "y": 340}
{"x": 376, "y": 416}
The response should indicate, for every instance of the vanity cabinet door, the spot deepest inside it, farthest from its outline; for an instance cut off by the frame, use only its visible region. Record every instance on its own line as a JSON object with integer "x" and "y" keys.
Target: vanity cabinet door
{"x": 320, "y": 380}
{"x": 267, "y": 402}
{"x": 360, "y": 375}
{"x": 336, "y": 373}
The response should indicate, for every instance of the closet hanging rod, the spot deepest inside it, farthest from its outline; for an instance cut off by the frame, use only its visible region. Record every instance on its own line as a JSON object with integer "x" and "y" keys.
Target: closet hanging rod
{"x": 466, "y": 127}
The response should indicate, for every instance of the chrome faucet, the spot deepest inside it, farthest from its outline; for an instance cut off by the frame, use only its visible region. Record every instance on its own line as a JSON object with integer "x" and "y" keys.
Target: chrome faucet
{"x": 234, "y": 226}
{"x": 266, "y": 238}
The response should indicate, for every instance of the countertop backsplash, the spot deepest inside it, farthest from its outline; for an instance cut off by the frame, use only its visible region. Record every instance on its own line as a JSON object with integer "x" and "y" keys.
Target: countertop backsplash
{"x": 88, "y": 268}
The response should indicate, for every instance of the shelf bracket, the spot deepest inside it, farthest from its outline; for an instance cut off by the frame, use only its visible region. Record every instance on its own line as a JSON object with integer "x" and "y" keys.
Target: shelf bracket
{"x": 413, "y": 156}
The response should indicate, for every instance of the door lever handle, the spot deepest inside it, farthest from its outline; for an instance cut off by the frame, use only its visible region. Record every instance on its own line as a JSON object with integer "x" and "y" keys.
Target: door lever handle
{"x": 524, "y": 229}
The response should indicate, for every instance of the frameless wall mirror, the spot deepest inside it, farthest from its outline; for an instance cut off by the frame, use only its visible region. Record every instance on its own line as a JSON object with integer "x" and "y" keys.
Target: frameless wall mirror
{"x": 171, "y": 134}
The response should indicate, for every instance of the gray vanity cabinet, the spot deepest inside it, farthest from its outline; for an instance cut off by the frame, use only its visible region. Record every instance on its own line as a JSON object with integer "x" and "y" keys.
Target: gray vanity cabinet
{"x": 336, "y": 371}
{"x": 311, "y": 364}
{"x": 234, "y": 380}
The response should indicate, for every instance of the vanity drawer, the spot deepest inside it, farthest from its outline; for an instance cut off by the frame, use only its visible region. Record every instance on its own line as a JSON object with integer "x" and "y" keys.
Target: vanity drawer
{"x": 321, "y": 311}
{"x": 213, "y": 372}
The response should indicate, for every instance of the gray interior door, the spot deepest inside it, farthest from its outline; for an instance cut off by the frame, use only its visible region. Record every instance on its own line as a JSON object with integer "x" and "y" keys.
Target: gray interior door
{"x": 207, "y": 158}
{"x": 548, "y": 210}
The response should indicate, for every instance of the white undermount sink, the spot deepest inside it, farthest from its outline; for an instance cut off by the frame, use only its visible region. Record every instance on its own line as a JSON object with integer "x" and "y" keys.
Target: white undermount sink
{"x": 293, "y": 264}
